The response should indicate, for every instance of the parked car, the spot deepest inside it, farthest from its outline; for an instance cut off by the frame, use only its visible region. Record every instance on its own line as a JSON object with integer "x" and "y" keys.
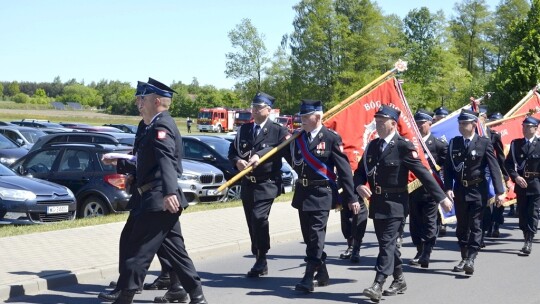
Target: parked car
{"x": 9, "y": 151}
{"x": 25, "y": 137}
{"x": 214, "y": 150}
{"x": 90, "y": 128}
{"x": 30, "y": 200}
{"x": 199, "y": 182}
{"x": 98, "y": 188}
{"x": 85, "y": 137}
{"x": 124, "y": 127}
{"x": 37, "y": 123}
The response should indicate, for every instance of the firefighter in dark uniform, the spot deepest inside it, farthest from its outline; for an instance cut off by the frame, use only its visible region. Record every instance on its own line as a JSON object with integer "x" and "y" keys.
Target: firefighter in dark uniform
{"x": 385, "y": 165}
{"x": 424, "y": 209}
{"x": 316, "y": 155}
{"x": 263, "y": 184}
{"x": 464, "y": 180}
{"x": 159, "y": 164}
{"x": 523, "y": 165}
{"x": 494, "y": 216}
{"x": 440, "y": 113}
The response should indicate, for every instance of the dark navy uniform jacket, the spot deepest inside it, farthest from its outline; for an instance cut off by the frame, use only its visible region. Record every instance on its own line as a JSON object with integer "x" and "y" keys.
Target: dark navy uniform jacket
{"x": 159, "y": 163}
{"x": 498, "y": 147}
{"x": 389, "y": 170}
{"x": 438, "y": 149}
{"x": 521, "y": 160}
{"x": 327, "y": 148}
{"x": 470, "y": 165}
{"x": 127, "y": 167}
{"x": 245, "y": 145}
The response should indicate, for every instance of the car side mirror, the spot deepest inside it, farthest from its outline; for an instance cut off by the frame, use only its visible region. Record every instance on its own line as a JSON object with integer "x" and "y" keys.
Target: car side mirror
{"x": 209, "y": 157}
{"x": 21, "y": 170}
{"x": 19, "y": 142}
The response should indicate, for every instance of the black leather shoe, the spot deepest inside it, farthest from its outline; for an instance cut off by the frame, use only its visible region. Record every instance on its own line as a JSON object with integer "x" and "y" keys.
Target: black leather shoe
{"x": 321, "y": 278}
{"x": 398, "y": 286}
{"x": 414, "y": 261}
{"x": 110, "y": 296}
{"x": 112, "y": 284}
{"x": 374, "y": 293}
{"x": 346, "y": 254}
{"x": 469, "y": 266}
{"x": 260, "y": 267}
{"x": 197, "y": 296}
{"x": 306, "y": 284}
{"x": 459, "y": 267}
{"x": 158, "y": 284}
{"x": 125, "y": 297}
{"x": 173, "y": 296}
{"x": 496, "y": 233}
{"x": 527, "y": 248}
{"x": 355, "y": 256}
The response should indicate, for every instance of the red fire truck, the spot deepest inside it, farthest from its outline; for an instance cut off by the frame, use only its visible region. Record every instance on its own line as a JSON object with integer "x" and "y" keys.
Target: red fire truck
{"x": 286, "y": 121}
{"x": 243, "y": 116}
{"x": 215, "y": 120}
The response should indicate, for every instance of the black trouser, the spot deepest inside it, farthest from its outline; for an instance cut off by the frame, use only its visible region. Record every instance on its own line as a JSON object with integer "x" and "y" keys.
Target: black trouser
{"x": 389, "y": 256}
{"x": 423, "y": 220}
{"x": 528, "y": 208}
{"x": 257, "y": 213}
{"x": 469, "y": 223}
{"x": 313, "y": 226}
{"x": 151, "y": 231}
{"x": 353, "y": 226}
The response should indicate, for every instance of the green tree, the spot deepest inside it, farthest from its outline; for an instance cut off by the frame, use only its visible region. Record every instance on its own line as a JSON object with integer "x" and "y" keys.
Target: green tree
{"x": 278, "y": 81}
{"x": 13, "y": 89}
{"x": 519, "y": 72}
{"x": 507, "y": 14}
{"x": 118, "y": 97}
{"x": 248, "y": 63}
{"x": 470, "y": 30}
{"x": 21, "y": 98}
{"x": 84, "y": 95}
{"x": 1, "y": 90}
{"x": 315, "y": 50}
{"x": 40, "y": 97}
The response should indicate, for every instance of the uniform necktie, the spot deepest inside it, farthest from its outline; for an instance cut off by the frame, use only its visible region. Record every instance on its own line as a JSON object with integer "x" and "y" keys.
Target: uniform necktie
{"x": 308, "y": 137}
{"x": 256, "y": 131}
{"x": 381, "y": 146}
{"x": 527, "y": 145}
{"x": 467, "y": 143}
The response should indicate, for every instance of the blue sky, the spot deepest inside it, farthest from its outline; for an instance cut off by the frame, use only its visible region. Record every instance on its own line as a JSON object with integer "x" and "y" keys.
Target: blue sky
{"x": 170, "y": 40}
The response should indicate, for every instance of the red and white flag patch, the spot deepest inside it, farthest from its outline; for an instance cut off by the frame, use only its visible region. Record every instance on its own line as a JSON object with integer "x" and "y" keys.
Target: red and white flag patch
{"x": 161, "y": 134}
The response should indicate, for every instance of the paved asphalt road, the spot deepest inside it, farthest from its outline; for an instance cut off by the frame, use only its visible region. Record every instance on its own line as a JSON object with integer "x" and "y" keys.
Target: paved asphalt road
{"x": 502, "y": 276}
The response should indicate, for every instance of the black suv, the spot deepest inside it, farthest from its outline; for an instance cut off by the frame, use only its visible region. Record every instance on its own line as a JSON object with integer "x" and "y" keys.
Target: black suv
{"x": 98, "y": 188}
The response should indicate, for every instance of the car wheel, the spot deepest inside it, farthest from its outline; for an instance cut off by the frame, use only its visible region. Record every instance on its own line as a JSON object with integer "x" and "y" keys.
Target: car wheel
{"x": 93, "y": 206}
{"x": 234, "y": 193}
{"x": 220, "y": 129}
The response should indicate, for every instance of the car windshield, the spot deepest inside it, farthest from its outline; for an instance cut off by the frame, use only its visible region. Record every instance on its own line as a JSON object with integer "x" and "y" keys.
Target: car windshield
{"x": 207, "y": 115}
{"x": 6, "y": 143}
{"x": 52, "y": 125}
{"x": 282, "y": 120}
{"x": 221, "y": 146}
{"x": 243, "y": 116}
{"x": 32, "y": 135}
{"x": 5, "y": 171}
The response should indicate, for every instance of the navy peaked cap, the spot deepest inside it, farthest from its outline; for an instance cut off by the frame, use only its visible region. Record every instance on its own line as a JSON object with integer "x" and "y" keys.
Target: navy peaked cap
{"x": 388, "y": 112}
{"x": 529, "y": 120}
{"x": 467, "y": 115}
{"x": 423, "y": 115}
{"x": 261, "y": 99}
{"x": 153, "y": 87}
{"x": 308, "y": 106}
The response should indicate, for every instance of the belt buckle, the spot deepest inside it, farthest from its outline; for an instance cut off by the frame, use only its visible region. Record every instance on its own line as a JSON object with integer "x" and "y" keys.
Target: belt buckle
{"x": 378, "y": 190}
{"x": 305, "y": 182}
{"x": 252, "y": 179}
{"x": 465, "y": 183}
{"x": 526, "y": 174}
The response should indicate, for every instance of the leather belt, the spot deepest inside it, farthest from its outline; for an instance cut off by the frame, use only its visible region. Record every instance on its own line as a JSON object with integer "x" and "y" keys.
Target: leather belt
{"x": 531, "y": 174}
{"x": 472, "y": 182}
{"x": 142, "y": 189}
{"x": 380, "y": 190}
{"x": 312, "y": 182}
{"x": 258, "y": 179}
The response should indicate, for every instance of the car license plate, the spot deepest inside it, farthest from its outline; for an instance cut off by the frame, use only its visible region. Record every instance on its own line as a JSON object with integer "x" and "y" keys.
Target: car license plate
{"x": 288, "y": 189}
{"x": 211, "y": 192}
{"x": 57, "y": 209}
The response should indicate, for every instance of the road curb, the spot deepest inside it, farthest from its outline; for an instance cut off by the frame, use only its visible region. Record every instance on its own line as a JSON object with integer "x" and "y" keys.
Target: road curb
{"x": 39, "y": 285}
